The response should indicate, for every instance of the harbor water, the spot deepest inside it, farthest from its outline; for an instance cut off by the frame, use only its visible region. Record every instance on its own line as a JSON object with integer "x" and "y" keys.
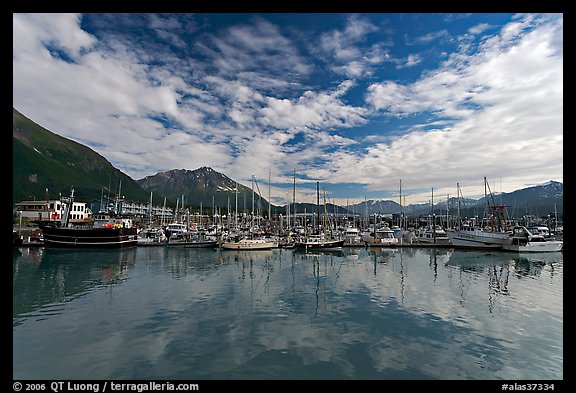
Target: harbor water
{"x": 173, "y": 313}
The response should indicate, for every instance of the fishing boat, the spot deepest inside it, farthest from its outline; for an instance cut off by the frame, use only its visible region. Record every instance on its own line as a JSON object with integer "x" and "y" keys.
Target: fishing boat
{"x": 108, "y": 230}
{"x": 475, "y": 237}
{"x": 523, "y": 240}
{"x": 490, "y": 236}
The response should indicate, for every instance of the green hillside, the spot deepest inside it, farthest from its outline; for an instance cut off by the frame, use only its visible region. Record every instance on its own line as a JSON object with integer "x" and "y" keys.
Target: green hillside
{"x": 42, "y": 159}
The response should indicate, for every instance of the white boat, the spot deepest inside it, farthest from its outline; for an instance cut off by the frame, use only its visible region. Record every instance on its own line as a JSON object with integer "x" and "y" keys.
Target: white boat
{"x": 491, "y": 236}
{"x": 249, "y": 244}
{"x": 432, "y": 235}
{"x": 523, "y": 240}
{"x": 192, "y": 239}
{"x": 541, "y": 230}
{"x": 381, "y": 237}
{"x": 151, "y": 236}
{"x": 175, "y": 228}
{"x": 474, "y": 237}
{"x": 352, "y": 237}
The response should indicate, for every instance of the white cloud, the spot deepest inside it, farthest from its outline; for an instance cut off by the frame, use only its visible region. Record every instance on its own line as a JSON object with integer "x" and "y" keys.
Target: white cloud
{"x": 251, "y": 107}
{"x": 516, "y": 91}
{"x": 479, "y": 28}
{"x": 426, "y": 38}
{"x": 31, "y": 32}
{"x": 344, "y": 50}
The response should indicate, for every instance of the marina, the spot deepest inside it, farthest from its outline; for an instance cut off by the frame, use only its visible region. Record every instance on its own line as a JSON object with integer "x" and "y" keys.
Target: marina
{"x": 287, "y": 196}
{"x": 417, "y": 313}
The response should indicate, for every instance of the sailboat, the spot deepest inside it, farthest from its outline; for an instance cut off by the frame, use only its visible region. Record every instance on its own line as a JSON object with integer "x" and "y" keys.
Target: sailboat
{"x": 319, "y": 239}
{"x": 243, "y": 242}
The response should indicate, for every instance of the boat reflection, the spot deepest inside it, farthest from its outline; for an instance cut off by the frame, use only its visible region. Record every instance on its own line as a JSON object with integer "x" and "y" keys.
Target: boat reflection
{"x": 532, "y": 265}
{"x": 49, "y": 277}
{"x": 245, "y": 255}
{"x": 316, "y": 252}
{"x": 521, "y": 264}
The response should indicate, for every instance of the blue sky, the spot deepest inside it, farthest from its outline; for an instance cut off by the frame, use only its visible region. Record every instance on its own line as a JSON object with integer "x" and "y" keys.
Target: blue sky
{"x": 358, "y": 102}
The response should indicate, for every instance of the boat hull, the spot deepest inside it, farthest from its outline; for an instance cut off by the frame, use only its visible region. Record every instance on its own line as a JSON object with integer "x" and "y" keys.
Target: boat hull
{"x": 90, "y": 238}
{"x": 329, "y": 244}
{"x": 249, "y": 245}
{"x": 548, "y": 246}
{"x": 202, "y": 244}
{"x": 477, "y": 240}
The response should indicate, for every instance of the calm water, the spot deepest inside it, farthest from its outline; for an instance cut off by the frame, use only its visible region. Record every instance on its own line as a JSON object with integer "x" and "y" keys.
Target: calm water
{"x": 179, "y": 313}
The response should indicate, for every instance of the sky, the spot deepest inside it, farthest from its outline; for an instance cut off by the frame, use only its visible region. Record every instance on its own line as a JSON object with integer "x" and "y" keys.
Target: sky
{"x": 361, "y": 104}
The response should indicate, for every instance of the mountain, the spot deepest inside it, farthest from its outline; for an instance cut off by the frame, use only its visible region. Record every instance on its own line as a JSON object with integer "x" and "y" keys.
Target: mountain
{"x": 43, "y": 160}
{"x": 204, "y": 185}
{"x": 539, "y": 200}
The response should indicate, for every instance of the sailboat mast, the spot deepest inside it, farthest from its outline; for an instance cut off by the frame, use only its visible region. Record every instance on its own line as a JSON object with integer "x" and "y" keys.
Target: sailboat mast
{"x": 269, "y": 205}
{"x": 400, "y": 198}
{"x": 150, "y": 210}
{"x": 458, "y": 195}
{"x": 118, "y": 197}
{"x": 175, "y": 218}
{"x": 163, "y": 211}
{"x": 447, "y": 210}
{"x": 317, "y": 208}
{"x": 294, "y": 198}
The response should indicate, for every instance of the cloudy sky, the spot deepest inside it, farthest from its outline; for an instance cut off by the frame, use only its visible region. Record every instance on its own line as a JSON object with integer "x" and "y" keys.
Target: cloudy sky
{"x": 357, "y": 102}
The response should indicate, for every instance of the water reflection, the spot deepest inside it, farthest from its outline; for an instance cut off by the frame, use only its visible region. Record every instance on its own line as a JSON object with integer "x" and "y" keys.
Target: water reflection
{"x": 53, "y": 276}
{"x": 389, "y": 313}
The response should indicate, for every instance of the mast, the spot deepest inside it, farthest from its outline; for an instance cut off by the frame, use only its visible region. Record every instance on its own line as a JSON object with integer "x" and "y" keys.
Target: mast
{"x": 236, "y": 211}
{"x": 325, "y": 218}
{"x": 163, "y": 211}
{"x": 269, "y": 205}
{"x": 433, "y": 219}
{"x": 287, "y": 213}
{"x": 294, "y": 198}
{"x": 317, "y": 230}
{"x": 69, "y": 201}
{"x": 118, "y": 197}
{"x": 458, "y": 196}
{"x": 447, "y": 210}
{"x": 400, "y": 198}
{"x": 366, "y": 218}
{"x": 432, "y": 204}
{"x": 150, "y": 210}
{"x": 175, "y": 218}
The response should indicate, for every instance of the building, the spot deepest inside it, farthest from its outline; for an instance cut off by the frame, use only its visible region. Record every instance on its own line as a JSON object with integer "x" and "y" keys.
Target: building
{"x": 52, "y": 210}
